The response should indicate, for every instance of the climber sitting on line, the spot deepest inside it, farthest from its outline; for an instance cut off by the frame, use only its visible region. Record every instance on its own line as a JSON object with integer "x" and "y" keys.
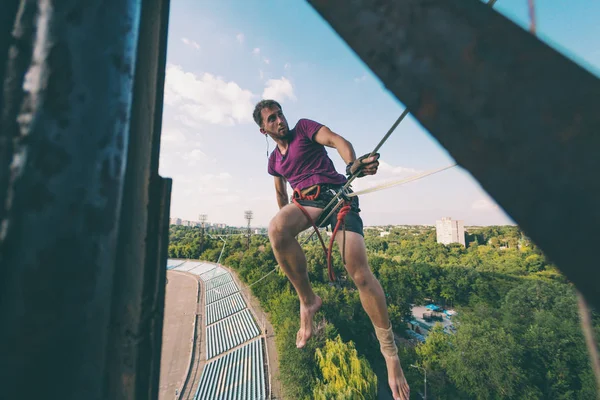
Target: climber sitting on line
{"x": 301, "y": 159}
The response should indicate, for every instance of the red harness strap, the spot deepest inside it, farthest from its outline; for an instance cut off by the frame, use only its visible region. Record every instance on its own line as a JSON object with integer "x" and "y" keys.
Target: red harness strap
{"x": 298, "y": 195}
{"x": 341, "y": 217}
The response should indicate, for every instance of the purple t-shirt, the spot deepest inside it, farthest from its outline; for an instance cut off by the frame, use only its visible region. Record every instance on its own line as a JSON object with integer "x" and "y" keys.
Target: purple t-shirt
{"x": 306, "y": 162}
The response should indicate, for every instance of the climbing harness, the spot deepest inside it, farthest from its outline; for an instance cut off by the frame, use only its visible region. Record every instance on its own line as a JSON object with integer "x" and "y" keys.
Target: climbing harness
{"x": 313, "y": 193}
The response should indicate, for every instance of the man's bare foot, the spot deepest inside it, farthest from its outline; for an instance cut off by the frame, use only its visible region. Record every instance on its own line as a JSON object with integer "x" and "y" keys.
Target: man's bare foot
{"x": 307, "y": 312}
{"x": 396, "y": 379}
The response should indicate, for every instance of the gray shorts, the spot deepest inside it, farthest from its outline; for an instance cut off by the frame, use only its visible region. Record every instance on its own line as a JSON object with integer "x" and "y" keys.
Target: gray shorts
{"x": 353, "y": 222}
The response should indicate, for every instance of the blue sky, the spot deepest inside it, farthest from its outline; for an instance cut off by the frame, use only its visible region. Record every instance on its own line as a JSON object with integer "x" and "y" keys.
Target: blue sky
{"x": 224, "y": 56}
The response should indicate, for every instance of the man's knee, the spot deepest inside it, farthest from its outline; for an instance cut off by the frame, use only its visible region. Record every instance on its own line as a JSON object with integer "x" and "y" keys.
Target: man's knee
{"x": 288, "y": 222}
{"x": 274, "y": 230}
{"x": 278, "y": 233}
{"x": 362, "y": 276}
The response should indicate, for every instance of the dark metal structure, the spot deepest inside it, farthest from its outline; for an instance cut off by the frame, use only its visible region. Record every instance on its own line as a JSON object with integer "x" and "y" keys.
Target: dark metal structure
{"x": 84, "y": 214}
{"x": 519, "y": 116}
{"x": 248, "y": 216}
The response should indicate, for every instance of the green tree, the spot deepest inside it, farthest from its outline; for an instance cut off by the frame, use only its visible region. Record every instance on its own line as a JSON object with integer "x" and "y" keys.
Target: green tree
{"x": 345, "y": 375}
{"x": 544, "y": 316}
{"x": 534, "y": 263}
{"x": 484, "y": 361}
{"x": 431, "y": 356}
{"x": 431, "y": 352}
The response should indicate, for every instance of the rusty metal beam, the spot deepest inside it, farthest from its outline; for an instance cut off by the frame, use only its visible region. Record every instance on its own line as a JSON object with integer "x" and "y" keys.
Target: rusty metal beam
{"x": 519, "y": 116}
{"x": 7, "y": 20}
{"x": 134, "y": 349}
{"x": 64, "y": 127}
{"x": 11, "y": 38}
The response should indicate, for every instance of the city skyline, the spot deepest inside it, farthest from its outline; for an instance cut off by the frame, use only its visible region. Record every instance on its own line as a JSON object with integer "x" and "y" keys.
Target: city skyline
{"x": 195, "y": 223}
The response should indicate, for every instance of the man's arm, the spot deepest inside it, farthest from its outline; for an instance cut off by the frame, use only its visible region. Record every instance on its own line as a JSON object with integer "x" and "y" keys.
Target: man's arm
{"x": 366, "y": 166}
{"x": 281, "y": 189}
{"x": 327, "y": 137}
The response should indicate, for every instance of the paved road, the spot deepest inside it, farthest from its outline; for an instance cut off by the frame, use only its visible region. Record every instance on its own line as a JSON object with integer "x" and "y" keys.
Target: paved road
{"x": 178, "y": 332}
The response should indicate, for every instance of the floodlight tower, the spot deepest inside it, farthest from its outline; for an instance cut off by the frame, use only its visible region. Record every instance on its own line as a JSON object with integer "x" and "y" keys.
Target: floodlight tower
{"x": 248, "y": 215}
{"x": 202, "y": 218}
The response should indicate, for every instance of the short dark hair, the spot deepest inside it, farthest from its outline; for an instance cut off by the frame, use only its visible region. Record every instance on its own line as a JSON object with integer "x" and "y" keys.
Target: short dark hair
{"x": 257, "y": 114}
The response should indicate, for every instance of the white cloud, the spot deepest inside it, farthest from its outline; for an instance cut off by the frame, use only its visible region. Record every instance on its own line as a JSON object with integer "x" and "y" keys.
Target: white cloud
{"x": 388, "y": 169}
{"x": 256, "y": 51}
{"x": 195, "y": 192}
{"x": 361, "y": 78}
{"x": 211, "y": 188}
{"x": 287, "y": 66}
{"x": 232, "y": 198}
{"x": 193, "y": 157}
{"x": 220, "y": 177}
{"x": 240, "y": 37}
{"x": 184, "y": 179}
{"x": 266, "y": 60}
{"x": 172, "y": 136}
{"x": 485, "y": 205}
{"x": 261, "y": 74}
{"x": 191, "y": 43}
{"x": 206, "y": 98}
{"x": 279, "y": 89}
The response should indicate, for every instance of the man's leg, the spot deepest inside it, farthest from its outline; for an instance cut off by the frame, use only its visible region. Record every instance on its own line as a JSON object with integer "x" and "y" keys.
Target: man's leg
{"x": 284, "y": 227}
{"x": 373, "y": 301}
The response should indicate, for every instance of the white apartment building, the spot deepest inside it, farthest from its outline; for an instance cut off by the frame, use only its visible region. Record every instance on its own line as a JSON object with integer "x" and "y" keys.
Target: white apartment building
{"x": 449, "y": 231}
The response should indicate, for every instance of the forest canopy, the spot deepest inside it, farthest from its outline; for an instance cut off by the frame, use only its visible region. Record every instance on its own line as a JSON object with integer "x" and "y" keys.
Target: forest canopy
{"x": 517, "y": 332}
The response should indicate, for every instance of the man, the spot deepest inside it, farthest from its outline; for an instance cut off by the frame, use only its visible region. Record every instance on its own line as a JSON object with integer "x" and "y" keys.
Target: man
{"x": 301, "y": 159}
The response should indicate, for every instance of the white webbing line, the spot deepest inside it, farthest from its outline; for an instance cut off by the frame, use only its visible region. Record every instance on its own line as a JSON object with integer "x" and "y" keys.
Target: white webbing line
{"x": 400, "y": 181}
